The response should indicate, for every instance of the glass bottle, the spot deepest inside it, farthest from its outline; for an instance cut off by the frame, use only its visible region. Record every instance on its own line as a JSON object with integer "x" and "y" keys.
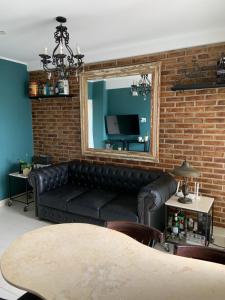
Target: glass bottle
{"x": 175, "y": 228}
{"x": 181, "y": 218}
{"x": 56, "y": 89}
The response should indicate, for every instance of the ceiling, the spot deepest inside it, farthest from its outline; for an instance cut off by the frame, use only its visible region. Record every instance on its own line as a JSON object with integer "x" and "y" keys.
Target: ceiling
{"x": 109, "y": 29}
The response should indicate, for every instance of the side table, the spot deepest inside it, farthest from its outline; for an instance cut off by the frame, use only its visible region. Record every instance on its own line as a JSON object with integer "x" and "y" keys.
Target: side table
{"x": 18, "y": 176}
{"x": 204, "y": 206}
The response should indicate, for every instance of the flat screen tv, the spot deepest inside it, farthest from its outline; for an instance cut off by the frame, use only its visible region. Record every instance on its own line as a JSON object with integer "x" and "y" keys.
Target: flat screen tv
{"x": 122, "y": 124}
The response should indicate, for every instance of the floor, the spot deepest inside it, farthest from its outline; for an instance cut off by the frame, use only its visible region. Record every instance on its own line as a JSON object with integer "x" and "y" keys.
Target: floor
{"x": 14, "y": 222}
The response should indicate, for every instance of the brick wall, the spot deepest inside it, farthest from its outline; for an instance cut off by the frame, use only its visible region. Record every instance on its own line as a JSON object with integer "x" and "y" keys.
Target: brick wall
{"x": 192, "y": 123}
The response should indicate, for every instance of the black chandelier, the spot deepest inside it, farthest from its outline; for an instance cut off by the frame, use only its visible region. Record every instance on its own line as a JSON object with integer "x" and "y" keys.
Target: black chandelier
{"x": 63, "y": 64}
{"x": 142, "y": 88}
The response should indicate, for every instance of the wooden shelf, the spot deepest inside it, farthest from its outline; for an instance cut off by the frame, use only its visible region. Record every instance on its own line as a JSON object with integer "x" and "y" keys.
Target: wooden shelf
{"x": 197, "y": 86}
{"x": 51, "y": 96}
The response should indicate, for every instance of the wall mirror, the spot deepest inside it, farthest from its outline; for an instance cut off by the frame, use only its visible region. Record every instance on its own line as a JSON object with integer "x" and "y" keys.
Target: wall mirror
{"x": 120, "y": 112}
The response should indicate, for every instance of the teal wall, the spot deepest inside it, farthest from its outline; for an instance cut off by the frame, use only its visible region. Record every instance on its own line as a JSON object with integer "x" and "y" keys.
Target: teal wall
{"x": 120, "y": 101}
{"x": 116, "y": 102}
{"x": 97, "y": 92}
{"x": 15, "y": 121}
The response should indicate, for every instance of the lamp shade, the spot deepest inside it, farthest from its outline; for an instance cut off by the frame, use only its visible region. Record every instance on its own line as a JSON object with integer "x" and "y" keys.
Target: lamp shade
{"x": 186, "y": 170}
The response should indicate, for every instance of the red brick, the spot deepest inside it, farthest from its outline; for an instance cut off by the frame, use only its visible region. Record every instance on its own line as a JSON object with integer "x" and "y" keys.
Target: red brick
{"x": 191, "y": 122}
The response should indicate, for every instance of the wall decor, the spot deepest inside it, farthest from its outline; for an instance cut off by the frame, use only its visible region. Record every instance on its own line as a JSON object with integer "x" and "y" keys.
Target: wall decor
{"x": 112, "y": 120}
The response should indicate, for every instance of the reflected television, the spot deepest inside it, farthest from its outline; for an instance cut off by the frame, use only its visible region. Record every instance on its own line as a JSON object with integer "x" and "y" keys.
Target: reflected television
{"x": 122, "y": 124}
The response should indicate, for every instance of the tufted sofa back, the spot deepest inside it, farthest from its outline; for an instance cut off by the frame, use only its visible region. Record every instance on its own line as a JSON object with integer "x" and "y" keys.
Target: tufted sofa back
{"x": 110, "y": 177}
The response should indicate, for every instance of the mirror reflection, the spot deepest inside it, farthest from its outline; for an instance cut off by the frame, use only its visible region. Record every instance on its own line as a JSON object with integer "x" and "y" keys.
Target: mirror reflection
{"x": 119, "y": 113}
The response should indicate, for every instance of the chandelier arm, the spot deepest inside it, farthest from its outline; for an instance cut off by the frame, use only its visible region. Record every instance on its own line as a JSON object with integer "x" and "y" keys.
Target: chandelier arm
{"x": 55, "y": 49}
{"x": 47, "y": 69}
{"x": 71, "y": 56}
{"x": 65, "y": 36}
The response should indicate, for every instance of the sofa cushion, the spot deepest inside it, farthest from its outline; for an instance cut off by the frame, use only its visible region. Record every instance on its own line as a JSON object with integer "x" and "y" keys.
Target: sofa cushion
{"x": 60, "y": 197}
{"x": 90, "y": 202}
{"x": 122, "y": 208}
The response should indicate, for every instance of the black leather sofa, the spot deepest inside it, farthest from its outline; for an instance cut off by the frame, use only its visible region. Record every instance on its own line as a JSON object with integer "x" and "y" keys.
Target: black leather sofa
{"x": 83, "y": 192}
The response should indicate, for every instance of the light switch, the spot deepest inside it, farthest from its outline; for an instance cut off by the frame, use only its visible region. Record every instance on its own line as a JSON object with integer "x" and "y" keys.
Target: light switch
{"x": 143, "y": 120}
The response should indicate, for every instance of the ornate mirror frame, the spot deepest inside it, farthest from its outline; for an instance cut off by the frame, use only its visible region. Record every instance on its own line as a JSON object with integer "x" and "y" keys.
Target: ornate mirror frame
{"x": 150, "y": 68}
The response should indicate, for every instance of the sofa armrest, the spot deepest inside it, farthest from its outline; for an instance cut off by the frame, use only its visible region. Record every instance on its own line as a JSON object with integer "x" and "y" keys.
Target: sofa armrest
{"x": 152, "y": 196}
{"x": 48, "y": 178}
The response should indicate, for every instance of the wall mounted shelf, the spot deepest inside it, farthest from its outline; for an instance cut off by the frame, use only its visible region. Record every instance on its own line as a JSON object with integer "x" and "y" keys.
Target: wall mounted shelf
{"x": 197, "y": 86}
{"x": 51, "y": 96}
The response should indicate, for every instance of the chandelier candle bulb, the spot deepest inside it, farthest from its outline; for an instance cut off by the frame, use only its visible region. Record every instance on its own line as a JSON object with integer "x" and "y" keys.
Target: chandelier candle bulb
{"x": 178, "y": 186}
{"x": 197, "y": 189}
{"x": 78, "y": 50}
{"x": 46, "y": 51}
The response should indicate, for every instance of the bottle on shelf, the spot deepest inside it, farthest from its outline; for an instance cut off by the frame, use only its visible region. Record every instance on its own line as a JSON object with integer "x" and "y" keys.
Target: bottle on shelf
{"x": 44, "y": 90}
{"x": 39, "y": 89}
{"x": 195, "y": 228}
{"x": 190, "y": 224}
{"x": 51, "y": 89}
{"x": 47, "y": 88}
{"x": 66, "y": 87}
{"x": 175, "y": 227}
{"x": 63, "y": 86}
{"x": 33, "y": 88}
{"x": 56, "y": 89}
{"x": 181, "y": 218}
{"x": 170, "y": 223}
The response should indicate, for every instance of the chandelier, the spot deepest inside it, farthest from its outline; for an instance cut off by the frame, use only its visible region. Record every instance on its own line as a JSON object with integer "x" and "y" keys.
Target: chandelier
{"x": 64, "y": 61}
{"x": 142, "y": 87}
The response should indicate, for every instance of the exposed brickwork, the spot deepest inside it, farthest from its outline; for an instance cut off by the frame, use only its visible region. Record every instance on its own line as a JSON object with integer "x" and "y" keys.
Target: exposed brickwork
{"x": 192, "y": 123}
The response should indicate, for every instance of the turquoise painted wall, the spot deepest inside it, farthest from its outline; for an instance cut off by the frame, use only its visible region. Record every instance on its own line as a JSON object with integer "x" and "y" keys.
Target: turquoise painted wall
{"x": 116, "y": 102}
{"x": 120, "y": 101}
{"x": 15, "y": 121}
{"x": 97, "y": 92}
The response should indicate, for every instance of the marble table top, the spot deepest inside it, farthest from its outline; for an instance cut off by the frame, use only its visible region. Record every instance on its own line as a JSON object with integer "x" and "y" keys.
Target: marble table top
{"x": 82, "y": 261}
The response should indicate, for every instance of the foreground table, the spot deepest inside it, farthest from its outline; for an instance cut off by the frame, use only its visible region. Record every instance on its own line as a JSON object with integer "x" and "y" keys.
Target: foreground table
{"x": 81, "y": 261}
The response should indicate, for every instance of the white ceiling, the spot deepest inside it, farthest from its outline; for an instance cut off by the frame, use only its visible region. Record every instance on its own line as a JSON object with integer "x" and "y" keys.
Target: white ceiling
{"x": 107, "y": 29}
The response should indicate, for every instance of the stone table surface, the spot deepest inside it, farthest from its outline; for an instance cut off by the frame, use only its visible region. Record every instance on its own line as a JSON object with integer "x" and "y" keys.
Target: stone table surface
{"x": 82, "y": 261}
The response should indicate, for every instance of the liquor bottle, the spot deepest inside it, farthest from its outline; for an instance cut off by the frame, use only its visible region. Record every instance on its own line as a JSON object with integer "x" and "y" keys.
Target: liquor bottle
{"x": 175, "y": 228}
{"x": 190, "y": 224}
{"x": 195, "y": 228}
{"x": 181, "y": 218}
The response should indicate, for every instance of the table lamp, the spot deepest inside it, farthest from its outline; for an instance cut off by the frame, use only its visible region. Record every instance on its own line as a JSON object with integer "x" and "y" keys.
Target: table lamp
{"x": 186, "y": 171}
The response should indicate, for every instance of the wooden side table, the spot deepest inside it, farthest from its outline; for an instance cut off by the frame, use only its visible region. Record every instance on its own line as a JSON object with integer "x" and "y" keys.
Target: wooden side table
{"x": 202, "y": 205}
{"x": 18, "y": 176}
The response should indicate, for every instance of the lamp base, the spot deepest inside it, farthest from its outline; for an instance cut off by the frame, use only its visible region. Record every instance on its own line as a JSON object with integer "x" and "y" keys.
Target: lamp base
{"x": 184, "y": 200}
